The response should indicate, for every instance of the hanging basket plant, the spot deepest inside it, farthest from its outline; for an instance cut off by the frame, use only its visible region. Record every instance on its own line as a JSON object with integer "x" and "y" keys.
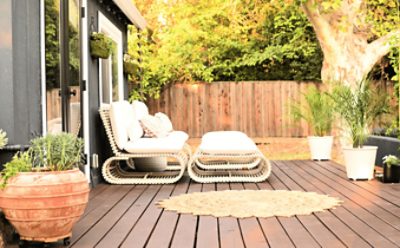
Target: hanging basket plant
{"x": 100, "y": 45}
{"x": 131, "y": 65}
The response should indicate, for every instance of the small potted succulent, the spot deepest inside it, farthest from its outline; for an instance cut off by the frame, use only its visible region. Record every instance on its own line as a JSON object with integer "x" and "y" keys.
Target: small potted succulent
{"x": 391, "y": 169}
{"x": 43, "y": 193}
{"x": 100, "y": 45}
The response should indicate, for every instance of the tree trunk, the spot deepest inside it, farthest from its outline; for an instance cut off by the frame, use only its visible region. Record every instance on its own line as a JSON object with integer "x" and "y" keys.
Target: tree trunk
{"x": 348, "y": 56}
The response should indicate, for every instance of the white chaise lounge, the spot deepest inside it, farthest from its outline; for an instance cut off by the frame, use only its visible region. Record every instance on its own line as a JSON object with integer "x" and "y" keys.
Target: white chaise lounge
{"x": 228, "y": 156}
{"x": 123, "y": 130}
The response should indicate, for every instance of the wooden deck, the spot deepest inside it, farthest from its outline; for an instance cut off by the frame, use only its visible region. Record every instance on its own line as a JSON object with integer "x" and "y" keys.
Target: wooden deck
{"x": 126, "y": 216}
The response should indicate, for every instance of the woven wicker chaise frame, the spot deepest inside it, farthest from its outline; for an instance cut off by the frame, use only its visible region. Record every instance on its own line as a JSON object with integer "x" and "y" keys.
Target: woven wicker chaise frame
{"x": 115, "y": 174}
{"x": 225, "y": 167}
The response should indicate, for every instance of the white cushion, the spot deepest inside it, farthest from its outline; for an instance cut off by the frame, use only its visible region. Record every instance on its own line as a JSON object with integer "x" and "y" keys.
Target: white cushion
{"x": 135, "y": 130}
{"x": 174, "y": 142}
{"x": 153, "y": 127}
{"x": 166, "y": 122}
{"x": 140, "y": 109}
{"x": 120, "y": 118}
{"x": 230, "y": 142}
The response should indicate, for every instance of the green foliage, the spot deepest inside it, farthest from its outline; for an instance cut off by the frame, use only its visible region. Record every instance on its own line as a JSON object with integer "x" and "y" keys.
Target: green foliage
{"x": 359, "y": 108}
{"x": 52, "y": 44}
{"x": 149, "y": 80}
{"x": 21, "y": 162}
{"x": 3, "y": 139}
{"x": 219, "y": 40}
{"x": 100, "y": 45}
{"x": 318, "y": 111}
{"x": 390, "y": 160}
{"x": 56, "y": 152}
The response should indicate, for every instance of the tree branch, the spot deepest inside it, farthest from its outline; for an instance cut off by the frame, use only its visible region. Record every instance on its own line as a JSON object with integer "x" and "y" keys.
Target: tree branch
{"x": 321, "y": 26}
{"x": 379, "y": 48}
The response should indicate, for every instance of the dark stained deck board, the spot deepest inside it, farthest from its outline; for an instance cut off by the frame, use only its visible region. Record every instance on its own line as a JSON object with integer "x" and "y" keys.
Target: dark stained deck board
{"x": 378, "y": 207}
{"x": 207, "y": 231}
{"x": 379, "y": 197}
{"x": 361, "y": 220}
{"x": 97, "y": 199}
{"x": 95, "y": 234}
{"x": 185, "y": 232}
{"x": 296, "y": 230}
{"x": 97, "y": 190}
{"x": 166, "y": 225}
{"x": 389, "y": 192}
{"x": 127, "y": 216}
{"x": 139, "y": 234}
{"x": 251, "y": 229}
{"x": 229, "y": 230}
{"x": 122, "y": 227}
{"x": 104, "y": 204}
{"x": 355, "y": 239}
{"x": 272, "y": 227}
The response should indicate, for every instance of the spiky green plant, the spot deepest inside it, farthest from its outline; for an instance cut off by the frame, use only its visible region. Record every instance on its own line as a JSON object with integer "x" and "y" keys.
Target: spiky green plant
{"x": 359, "y": 108}
{"x": 56, "y": 152}
{"x": 3, "y": 139}
{"x": 317, "y": 112}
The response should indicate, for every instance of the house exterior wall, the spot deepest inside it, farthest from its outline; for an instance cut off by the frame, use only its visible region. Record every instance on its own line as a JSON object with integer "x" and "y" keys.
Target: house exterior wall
{"x": 20, "y": 75}
{"x": 20, "y": 111}
{"x": 98, "y": 140}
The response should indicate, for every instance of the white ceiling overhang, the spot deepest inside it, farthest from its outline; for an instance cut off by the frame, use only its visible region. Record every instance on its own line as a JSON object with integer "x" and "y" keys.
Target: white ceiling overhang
{"x": 133, "y": 14}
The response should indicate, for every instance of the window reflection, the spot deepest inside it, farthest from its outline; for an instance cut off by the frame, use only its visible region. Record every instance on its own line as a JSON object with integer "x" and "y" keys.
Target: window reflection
{"x": 109, "y": 74}
{"x": 52, "y": 44}
{"x": 53, "y": 55}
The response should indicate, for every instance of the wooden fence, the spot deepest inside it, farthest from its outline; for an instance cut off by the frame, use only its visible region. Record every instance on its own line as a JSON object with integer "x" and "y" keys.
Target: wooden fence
{"x": 260, "y": 109}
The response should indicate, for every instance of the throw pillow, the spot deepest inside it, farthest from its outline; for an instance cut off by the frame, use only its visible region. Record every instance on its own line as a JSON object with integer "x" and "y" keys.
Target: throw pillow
{"x": 153, "y": 127}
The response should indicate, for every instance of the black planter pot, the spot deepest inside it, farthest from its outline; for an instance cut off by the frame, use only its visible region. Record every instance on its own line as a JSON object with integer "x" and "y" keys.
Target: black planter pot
{"x": 391, "y": 174}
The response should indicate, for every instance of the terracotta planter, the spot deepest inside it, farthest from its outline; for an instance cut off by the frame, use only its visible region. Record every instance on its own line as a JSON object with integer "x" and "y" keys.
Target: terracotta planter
{"x": 43, "y": 206}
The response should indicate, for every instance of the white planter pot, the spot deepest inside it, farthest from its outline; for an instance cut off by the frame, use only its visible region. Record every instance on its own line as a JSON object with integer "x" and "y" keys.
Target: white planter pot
{"x": 150, "y": 164}
{"x": 360, "y": 162}
{"x": 320, "y": 147}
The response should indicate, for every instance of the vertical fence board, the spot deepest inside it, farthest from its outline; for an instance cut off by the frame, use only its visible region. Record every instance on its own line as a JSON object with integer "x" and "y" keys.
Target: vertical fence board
{"x": 260, "y": 109}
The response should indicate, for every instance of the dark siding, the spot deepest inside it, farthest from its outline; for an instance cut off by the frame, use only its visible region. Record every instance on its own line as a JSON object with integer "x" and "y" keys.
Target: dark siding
{"x": 98, "y": 139}
{"x": 20, "y": 73}
{"x": 6, "y": 60}
{"x": 26, "y": 67}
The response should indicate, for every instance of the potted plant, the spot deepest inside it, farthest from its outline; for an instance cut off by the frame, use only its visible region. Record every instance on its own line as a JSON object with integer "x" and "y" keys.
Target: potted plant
{"x": 100, "y": 45}
{"x": 131, "y": 65}
{"x": 43, "y": 192}
{"x": 318, "y": 113}
{"x": 359, "y": 108}
{"x": 391, "y": 169}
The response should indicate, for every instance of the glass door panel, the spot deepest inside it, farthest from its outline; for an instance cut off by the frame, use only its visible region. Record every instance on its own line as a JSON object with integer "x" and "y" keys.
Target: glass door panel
{"x": 53, "y": 86}
{"x": 62, "y": 46}
{"x": 74, "y": 96}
